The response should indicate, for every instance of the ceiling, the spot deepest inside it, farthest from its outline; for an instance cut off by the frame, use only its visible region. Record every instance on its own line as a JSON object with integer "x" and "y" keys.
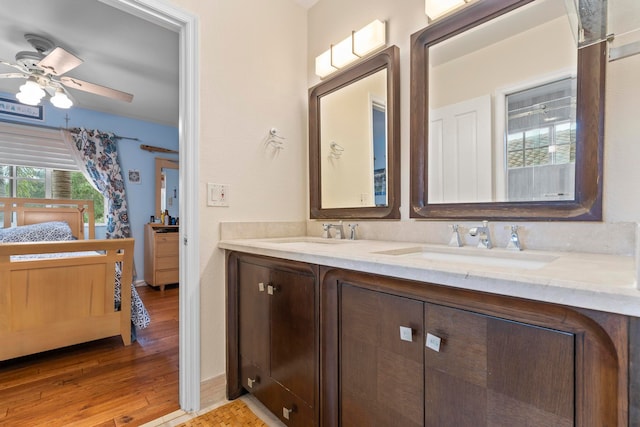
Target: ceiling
{"x": 118, "y": 49}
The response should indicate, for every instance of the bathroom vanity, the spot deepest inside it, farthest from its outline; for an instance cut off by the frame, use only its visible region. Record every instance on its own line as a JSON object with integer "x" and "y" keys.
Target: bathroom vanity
{"x": 331, "y": 332}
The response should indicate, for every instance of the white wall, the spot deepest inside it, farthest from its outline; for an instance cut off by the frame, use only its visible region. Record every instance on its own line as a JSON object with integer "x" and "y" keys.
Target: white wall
{"x": 252, "y": 78}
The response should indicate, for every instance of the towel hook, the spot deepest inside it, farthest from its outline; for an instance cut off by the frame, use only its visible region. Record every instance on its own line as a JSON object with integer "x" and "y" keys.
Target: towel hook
{"x": 336, "y": 150}
{"x": 275, "y": 140}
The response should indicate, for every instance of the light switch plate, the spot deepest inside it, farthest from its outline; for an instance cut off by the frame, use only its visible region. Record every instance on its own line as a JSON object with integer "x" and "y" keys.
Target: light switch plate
{"x": 217, "y": 194}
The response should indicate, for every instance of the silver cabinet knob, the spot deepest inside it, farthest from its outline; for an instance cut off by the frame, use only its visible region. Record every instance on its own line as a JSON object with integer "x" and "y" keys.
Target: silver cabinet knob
{"x": 286, "y": 412}
{"x": 433, "y": 342}
{"x": 261, "y": 287}
{"x": 406, "y": 334}
{"x": 271, "y": 289}
{"x": 252, "y": 381}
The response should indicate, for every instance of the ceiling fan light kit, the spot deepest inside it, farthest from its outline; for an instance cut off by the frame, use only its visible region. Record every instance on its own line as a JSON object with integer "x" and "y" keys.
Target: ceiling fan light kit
{"x": 43, "y": 70}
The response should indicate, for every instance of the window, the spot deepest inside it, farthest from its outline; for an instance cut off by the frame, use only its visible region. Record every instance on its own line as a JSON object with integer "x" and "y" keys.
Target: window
{"x": 541, "y": 141}
{"x": 45, "y": 183}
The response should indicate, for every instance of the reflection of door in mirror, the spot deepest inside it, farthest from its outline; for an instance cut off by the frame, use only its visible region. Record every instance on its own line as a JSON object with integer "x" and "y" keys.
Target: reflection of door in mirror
{"x": 520, "y": 63}
{"x": 379, "y": 136}
{"x": 169, "y": 191}
{"x": 167, "y": 196}
{"x": 353, "y": 135}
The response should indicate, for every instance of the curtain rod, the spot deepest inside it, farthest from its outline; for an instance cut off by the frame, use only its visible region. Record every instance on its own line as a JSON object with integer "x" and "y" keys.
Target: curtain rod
{"x": 13, "y": 122}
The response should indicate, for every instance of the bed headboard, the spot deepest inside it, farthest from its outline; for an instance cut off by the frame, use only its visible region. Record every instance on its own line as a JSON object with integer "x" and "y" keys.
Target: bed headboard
{"x": 32, "y": 211}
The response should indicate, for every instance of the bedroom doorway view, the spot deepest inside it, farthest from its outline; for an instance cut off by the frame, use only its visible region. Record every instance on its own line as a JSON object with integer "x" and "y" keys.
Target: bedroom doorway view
{"x": 99, "y": 370}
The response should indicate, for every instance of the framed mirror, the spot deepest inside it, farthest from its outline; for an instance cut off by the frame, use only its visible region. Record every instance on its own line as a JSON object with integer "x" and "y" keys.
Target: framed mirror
{"x": 354, "y": 141}
{"x": 167, "y": 180}
{"x": 507, "y": 115}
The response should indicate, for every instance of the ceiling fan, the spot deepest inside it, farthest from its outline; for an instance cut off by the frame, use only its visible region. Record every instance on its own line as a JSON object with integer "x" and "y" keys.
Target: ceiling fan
{"x": 44, "y": 68}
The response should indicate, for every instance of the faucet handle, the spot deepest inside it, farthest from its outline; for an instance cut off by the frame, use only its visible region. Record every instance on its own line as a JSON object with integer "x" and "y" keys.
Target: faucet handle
{"x": 455, "y": 240}
{"x": 514, "y": 239}
{"x": 352, "y": 231}
{"x": 326, "y": 230}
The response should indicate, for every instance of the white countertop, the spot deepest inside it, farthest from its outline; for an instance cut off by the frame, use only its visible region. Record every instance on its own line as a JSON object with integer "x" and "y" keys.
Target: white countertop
{"x": 594, "y": 281}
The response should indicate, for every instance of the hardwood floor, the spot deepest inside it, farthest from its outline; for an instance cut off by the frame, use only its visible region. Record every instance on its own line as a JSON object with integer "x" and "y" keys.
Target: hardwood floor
{"x": 101, "y": 383}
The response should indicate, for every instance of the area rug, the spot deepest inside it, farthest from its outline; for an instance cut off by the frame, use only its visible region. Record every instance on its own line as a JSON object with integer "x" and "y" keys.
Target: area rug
{"x": 233, "y": 414}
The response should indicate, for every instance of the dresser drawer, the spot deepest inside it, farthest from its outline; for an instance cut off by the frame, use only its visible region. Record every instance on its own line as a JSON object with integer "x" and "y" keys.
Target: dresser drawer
{"x": 167, "y": 276}
{"x": 167, "y": 262}
{"x": 166, "y": 249}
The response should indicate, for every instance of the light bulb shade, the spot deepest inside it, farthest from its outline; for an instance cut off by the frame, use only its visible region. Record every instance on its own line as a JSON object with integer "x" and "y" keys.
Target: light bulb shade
{"x": 342, "y": 53}
{"x": 369, "y": 38}
{"x": 61, "y": 100}
{"x": 28, "y": 99}
{"x": 323, "y": 64}
{"x": 358, "y": 44}
{"x": 437, "y": 8}
{"x": 32, "y": 90}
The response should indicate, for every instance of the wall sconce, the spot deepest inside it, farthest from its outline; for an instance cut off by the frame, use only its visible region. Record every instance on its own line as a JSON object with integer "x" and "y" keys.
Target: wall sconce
{"x": 357, "y": 45}
{"x": 437, "y": 8}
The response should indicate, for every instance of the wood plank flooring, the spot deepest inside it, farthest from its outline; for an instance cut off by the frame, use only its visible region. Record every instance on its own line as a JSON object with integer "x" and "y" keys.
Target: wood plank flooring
{"x": 101, "y": 383}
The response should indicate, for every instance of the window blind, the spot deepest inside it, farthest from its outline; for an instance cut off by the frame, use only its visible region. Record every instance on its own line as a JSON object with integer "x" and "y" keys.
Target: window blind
{"x": 33, "y": 146}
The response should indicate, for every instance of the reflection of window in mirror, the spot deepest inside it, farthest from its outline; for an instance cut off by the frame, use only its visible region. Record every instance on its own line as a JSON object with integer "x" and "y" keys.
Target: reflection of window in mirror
{"x": 541, "y": 142}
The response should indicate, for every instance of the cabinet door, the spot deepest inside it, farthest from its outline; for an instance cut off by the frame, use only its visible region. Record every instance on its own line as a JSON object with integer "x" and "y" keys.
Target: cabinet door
{"x": 381, "y": 375}
{"x": 253, "y": 323}
{"x": 293, "y": 342}
{"x": 493, "y": 372}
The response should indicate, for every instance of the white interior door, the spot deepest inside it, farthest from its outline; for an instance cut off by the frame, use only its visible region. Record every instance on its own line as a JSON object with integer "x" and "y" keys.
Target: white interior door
{"x": 460, "y": 152}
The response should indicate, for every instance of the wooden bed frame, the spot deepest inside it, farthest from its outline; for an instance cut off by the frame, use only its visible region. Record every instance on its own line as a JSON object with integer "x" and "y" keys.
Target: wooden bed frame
{"x": 56, "y": 302}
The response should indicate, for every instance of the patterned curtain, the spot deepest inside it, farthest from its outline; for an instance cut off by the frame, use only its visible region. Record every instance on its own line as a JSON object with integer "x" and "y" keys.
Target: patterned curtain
{"x": 97, "y": 154}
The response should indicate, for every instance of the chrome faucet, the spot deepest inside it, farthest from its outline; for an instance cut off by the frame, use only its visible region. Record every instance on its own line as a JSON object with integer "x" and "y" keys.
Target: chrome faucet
{"x": 484, "y": 235}
{"x": 514, "y": 240}
{"x": 352, "y": 231}
{"x": 326, "y": 230}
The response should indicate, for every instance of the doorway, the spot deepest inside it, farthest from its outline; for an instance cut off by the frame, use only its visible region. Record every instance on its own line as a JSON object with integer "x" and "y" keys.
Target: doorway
{"x": 185, "y": 25}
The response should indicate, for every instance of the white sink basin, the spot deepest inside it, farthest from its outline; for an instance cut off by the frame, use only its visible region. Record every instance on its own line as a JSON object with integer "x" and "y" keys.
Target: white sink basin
{"x": 309, "y": 240}
{"x": 476, "y": 256}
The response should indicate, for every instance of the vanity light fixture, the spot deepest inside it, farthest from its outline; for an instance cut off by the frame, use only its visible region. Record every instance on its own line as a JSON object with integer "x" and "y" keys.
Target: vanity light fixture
{"x": 437, "y": 8}
{"x": 360, "y": 43}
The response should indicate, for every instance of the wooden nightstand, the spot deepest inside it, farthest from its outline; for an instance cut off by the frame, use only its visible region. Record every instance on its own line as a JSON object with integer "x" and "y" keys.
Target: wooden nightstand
{"x": 161, "y": 254}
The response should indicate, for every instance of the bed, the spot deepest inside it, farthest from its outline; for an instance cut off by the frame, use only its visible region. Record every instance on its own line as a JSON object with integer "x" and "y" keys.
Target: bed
{"x": 62, "y": 291}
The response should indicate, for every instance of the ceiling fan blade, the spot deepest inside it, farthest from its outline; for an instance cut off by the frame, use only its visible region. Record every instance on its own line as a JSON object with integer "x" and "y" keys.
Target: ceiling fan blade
{"x": 16, "y": 66}
{"x": 14, "y": 76}
{"x": 59, "y": 61}
{"x": 96, "y": 89}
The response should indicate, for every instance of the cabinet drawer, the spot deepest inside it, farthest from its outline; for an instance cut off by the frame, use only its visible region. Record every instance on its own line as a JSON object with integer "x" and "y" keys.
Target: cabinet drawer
{"x": 167, "y": 248}
{"x": 167, "y": 276}
{"x": 167, "y": 262}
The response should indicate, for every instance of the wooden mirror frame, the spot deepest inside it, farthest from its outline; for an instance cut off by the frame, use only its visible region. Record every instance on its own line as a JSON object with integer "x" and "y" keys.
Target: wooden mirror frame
{"x": 160, "y": 164}
{"x": 388, "y": 59}
{"x": 587, "y": 205}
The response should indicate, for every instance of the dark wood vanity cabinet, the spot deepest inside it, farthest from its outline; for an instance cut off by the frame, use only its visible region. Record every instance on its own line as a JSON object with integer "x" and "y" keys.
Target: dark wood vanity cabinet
{"x": 276, "y": 337}
{"x": 399, "y": 352}
{"x": 478, "y": 370}
{"x": 322, "y": 346}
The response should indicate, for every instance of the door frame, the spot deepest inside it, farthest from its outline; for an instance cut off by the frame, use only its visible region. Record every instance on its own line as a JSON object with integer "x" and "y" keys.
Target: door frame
{"x": 186, "y": 25}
